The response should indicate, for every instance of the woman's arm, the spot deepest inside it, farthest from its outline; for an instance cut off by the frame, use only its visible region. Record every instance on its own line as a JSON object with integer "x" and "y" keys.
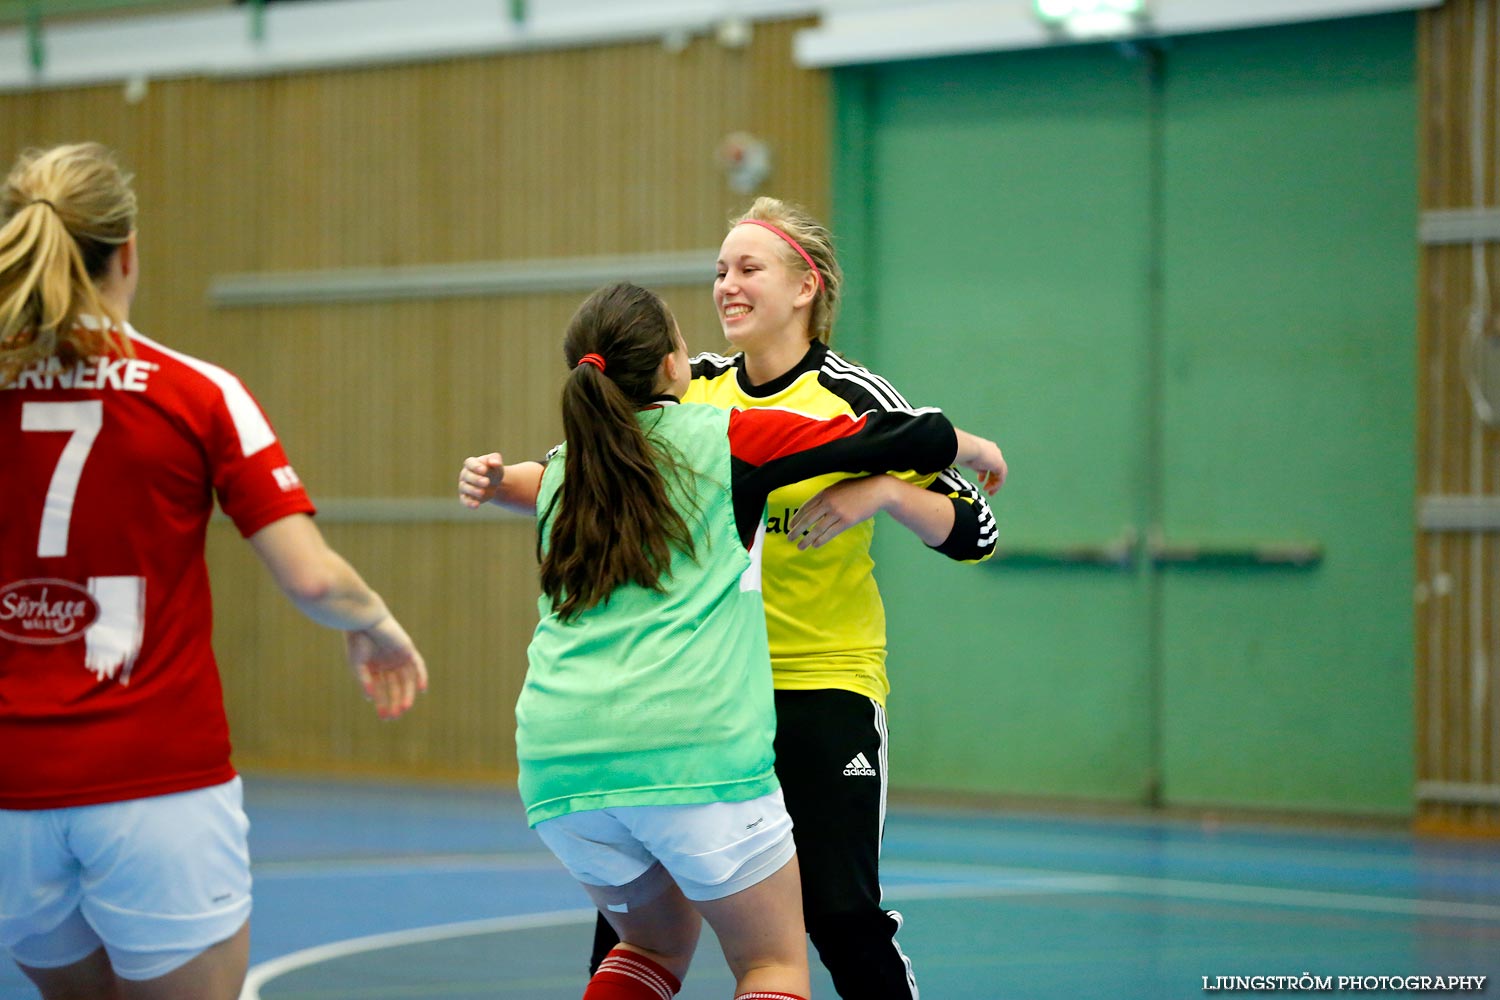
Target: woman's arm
{"x": 983, "y": 456}
{"x": 325, "y": 588}
{"x": 772, "y": 447}
{"x": 487, "y": 479}
{"x": 930, "y": 515}
{"x": 851, "y": 501}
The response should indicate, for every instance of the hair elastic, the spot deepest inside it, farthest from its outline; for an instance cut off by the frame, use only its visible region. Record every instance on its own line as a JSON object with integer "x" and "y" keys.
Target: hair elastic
{"x": 791, "y": 243}
{"x": 41, "y": 201}
{"x": 592, "y": 359}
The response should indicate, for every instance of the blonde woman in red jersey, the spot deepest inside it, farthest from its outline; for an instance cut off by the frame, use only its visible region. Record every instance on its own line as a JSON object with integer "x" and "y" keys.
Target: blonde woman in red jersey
{"x": 126, "y": 874}
{"x": 776, "y": 291}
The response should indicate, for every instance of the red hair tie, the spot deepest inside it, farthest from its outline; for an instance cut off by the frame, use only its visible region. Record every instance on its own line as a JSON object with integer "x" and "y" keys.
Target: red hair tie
{"x": 791, "y": 243}
{"x": 592, "y": 359}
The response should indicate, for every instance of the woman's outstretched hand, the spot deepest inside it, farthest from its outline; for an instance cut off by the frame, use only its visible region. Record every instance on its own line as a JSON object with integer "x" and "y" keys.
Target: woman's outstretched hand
{"x": 479, "y": 480}
{"x": 983, "y": 456}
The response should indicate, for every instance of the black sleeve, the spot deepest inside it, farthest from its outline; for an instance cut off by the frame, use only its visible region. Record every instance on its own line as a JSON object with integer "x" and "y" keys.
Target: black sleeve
{"x": 975, "y": 532}
{"x": 770, "y": 448}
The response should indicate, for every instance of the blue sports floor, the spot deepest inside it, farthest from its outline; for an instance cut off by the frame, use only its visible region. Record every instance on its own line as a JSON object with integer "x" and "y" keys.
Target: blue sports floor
{"x": 367, "y": 891}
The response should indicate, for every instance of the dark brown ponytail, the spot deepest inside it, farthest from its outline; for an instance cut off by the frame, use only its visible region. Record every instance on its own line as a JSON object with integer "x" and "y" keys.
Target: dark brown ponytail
{"x": 614, "y": 519}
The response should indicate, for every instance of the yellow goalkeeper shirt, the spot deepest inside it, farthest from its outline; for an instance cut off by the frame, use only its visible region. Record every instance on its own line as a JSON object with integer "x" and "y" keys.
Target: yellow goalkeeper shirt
{"x": 824, "y": 617}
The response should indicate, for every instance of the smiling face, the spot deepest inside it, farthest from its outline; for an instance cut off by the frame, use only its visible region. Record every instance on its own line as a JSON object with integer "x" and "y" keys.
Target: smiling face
{"x": 762, "y": 300}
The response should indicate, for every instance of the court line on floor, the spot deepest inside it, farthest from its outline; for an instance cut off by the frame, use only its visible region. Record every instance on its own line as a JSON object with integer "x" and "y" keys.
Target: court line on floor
{"x": 1017, "y": 882}
{"x": 963, "y": 883}
{"x": 1228, "y": 892}
{"x": 266, "y": 971}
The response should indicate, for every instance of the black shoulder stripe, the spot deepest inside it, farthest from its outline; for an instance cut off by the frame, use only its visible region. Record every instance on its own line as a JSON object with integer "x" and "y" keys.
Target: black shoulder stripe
{"x": 860, "y": 387}
{"x": 879, "y": 383}
{"x": 710, "y": 365}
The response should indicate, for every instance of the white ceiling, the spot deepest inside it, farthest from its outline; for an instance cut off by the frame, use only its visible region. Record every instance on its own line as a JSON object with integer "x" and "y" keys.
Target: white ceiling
{"x": 220, "y": 41}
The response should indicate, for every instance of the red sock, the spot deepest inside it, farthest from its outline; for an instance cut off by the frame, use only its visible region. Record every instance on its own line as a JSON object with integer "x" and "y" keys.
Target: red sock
{"x": 629, "y": 975}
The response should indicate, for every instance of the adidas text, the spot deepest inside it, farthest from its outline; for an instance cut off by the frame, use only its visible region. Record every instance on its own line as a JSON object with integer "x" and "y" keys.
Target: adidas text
{"x": 859, "y": 767}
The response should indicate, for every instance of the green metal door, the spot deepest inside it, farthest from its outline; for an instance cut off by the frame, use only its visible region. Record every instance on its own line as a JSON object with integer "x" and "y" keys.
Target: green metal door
{"x": 1003, "y": 212}
{"x": 1288, "y": 417}
{"x": 1177, "y": 285}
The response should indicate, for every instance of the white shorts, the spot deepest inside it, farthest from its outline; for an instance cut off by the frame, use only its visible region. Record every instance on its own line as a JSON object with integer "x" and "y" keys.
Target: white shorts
{"x": 711, "y": 851}
{"x": 154, "y": 881}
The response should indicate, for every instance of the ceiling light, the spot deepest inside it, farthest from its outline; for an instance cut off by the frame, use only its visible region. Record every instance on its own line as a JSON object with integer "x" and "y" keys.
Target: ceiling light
{"x": 1092, "y": 18}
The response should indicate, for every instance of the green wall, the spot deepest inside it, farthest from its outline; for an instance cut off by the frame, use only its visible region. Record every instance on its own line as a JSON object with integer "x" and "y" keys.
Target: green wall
{"x": 1179, "y": 288}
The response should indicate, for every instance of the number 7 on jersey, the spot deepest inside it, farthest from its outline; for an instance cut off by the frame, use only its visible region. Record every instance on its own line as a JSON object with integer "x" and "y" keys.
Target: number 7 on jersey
{"x": 83, "y": 419}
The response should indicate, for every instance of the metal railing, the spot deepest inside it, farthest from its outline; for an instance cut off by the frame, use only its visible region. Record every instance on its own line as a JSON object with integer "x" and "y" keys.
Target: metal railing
{"x": 33, "y": 15}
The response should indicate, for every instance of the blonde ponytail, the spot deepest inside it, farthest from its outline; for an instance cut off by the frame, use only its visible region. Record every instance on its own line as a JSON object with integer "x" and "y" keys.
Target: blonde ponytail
{"x": 64, "y": 212}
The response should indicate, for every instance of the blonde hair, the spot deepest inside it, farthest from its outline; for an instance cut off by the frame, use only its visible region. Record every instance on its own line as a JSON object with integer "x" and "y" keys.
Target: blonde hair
{"x": 63, "y": 213}
{"x": 814, "y": 238}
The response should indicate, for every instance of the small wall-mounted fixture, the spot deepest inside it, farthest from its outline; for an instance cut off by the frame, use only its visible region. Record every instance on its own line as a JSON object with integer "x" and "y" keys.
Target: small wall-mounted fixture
{"x": 1480, "y": 362}
{"x": 1085, "y": 19}
{"x": 733, "y": 32}
{"x": 745, "y": 160}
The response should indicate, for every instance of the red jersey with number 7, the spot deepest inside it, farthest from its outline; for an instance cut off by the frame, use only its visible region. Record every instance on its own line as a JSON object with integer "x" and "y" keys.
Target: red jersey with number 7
{"x": 108, "y": 685}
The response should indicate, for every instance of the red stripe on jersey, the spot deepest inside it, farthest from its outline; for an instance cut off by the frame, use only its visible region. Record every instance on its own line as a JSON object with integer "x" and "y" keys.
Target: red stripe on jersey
{"x": 765, "y": 433}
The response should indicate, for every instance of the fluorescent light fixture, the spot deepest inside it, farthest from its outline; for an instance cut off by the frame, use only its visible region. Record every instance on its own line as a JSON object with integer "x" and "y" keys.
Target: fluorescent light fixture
{"x": 860, "y": 32}
{"x": 1054, "y": 10}
{"x": 1092, "y": 18}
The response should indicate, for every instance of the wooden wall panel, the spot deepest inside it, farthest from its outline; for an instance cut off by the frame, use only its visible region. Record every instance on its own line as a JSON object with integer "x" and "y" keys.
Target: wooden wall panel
{"x": 547, "y": 154}
{"x": 465, "y": 594}
{"x": 1458, "y": 572}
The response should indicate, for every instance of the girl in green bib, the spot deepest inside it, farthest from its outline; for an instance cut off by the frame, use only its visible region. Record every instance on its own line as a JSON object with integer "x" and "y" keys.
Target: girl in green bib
{"x": 645, "y": 725}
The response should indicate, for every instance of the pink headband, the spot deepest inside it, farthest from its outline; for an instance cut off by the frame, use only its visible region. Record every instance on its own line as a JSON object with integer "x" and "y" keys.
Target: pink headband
{"x": 791, "y": 243}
